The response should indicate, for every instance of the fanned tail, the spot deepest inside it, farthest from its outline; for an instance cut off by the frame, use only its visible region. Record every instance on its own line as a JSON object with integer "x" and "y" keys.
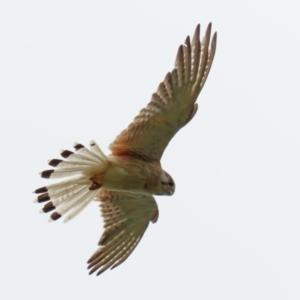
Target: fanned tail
{"x": 72, "y": 195}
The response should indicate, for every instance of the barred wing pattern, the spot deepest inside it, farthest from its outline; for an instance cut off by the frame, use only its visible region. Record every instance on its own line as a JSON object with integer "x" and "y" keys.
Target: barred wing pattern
{"x": 126, "y": 218}
{"x": 127, "y": 215}
{"x": 173, "y": 104}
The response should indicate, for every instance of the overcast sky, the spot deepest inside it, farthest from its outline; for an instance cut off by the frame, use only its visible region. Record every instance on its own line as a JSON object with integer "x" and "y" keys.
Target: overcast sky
{"x": 81, "y": 70}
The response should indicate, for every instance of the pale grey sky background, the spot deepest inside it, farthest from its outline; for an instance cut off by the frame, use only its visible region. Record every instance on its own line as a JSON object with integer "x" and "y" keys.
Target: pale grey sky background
{"x": 81, "y": 70}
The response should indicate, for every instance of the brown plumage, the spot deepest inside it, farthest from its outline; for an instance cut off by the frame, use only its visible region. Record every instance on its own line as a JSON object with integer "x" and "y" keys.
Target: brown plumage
{"x": 125, "y": 181}
{"x": 126, "y": 218}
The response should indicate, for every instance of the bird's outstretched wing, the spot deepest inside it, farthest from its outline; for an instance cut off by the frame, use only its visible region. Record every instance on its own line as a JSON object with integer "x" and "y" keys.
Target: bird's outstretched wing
{"x": 173, "y": 104}
{"x": 126, "y": 218}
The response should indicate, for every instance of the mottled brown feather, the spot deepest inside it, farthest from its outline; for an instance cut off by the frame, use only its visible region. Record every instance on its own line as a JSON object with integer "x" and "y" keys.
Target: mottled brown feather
{"x": 172, "y": 106}
{"x": 126, "y": 218}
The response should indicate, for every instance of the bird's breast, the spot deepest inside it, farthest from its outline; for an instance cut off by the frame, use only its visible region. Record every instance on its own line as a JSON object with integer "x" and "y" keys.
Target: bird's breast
{"x": 131, "y": 174}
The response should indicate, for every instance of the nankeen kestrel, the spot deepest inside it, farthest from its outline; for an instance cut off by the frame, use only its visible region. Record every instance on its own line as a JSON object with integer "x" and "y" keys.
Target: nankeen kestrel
{"x": 125, "y": 181}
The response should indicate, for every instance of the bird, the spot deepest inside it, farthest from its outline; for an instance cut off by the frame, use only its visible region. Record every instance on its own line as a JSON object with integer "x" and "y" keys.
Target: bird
{"x": 126, "y": 181}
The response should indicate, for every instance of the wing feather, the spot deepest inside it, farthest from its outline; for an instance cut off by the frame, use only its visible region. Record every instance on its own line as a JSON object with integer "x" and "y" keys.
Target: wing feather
{"x": 126, "y": 218}
{"x": 196, "y": 48}
{"x": 173, "y": 104}
{"x": 187, "y": 59}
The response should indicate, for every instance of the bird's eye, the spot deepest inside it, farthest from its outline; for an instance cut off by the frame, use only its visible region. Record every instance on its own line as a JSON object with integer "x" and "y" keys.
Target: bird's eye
{"x": 170, "y": 183}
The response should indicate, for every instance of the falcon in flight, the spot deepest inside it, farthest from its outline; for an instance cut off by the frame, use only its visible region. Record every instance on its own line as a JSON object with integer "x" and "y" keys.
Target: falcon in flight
{"x": 125, "y": 181}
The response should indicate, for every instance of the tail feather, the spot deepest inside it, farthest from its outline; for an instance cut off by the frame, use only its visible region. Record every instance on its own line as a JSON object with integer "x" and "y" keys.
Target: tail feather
{"x": 56, "y": 174}
{"x": 61, "y": 195}
{"x": 88, "y": 198}
{"x": 63, "y": 207}
{"x": 56, "y": 187}
{"x": 79, "y": 157}
{"x": 63, "y": 164}
{"x": 92, "y": 154}
{"x": 96, "y": 149}
{"x": 72, "y": 195}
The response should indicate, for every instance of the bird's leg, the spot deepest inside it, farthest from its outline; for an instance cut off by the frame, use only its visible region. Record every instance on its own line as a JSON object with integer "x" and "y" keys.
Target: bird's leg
{"x": 97, "y": 182}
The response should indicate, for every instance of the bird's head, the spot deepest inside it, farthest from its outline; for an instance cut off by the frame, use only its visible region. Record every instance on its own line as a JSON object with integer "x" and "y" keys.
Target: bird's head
{"x": 167, "y": 184}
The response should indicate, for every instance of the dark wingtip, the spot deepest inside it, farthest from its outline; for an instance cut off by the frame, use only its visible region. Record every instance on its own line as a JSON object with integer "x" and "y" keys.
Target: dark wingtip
{"x": 214, "y": 41}
{"x": 208, "y": 32}
{"x": 187, "y": 40}
{"x": 47, "y": 173}
{"x": 54, "y": 162}
{"x": 66, "y": 153}
{"x": 197, "y": 29}
{"x": 89, "y": 267}
{"x": 100, "y": 272}
{"x": 91, "y": 271}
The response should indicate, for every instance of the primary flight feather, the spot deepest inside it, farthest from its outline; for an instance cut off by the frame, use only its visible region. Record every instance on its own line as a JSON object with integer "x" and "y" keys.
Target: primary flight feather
{"x": 125, "y": 181}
